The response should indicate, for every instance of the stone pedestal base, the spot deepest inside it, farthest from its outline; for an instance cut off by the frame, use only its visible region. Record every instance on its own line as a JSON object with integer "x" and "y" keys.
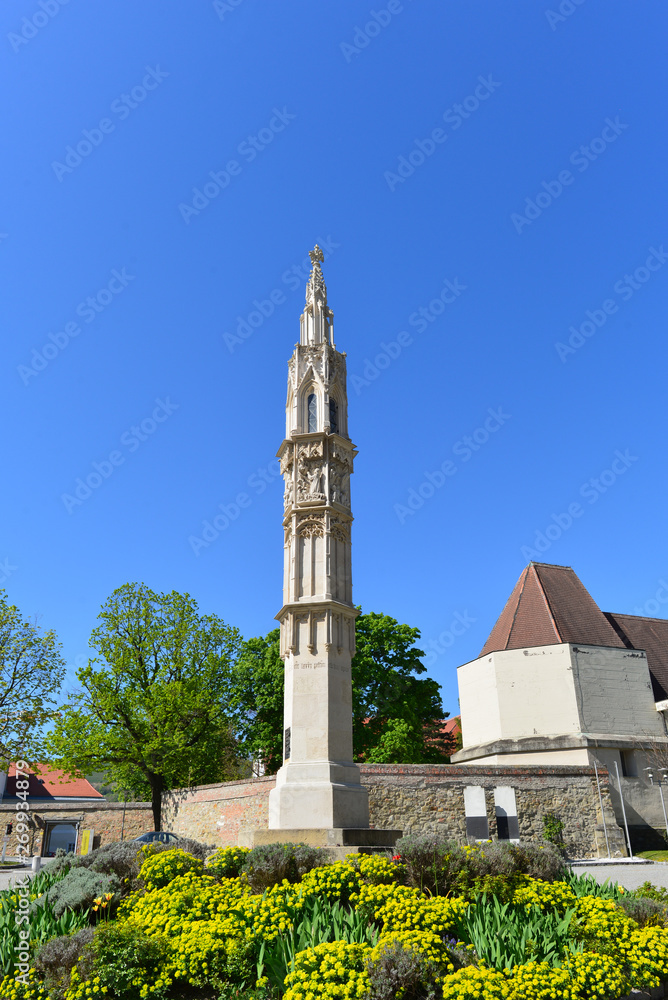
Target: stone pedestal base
{"x": 337, "y": 842}
{"x": 319, "y": 795}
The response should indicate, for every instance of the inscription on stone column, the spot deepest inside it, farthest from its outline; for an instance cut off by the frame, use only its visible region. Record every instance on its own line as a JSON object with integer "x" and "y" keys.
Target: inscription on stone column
{"x": 286, "y": 754}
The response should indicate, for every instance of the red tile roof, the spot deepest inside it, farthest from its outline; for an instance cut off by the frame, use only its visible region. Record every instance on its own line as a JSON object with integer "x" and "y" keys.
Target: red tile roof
{"x": 52, "y": 783}
{"x": 650, "y": 634}
{"x": 549, "y": 605}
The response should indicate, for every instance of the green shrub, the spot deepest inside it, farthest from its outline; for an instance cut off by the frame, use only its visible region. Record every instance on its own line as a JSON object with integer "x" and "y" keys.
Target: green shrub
{"x": 269, "y": 864}
{"x": 159, "y": 869}
{"x": 645, "y": 911}
{"x": 553, "y": 831}
{"x": 125, "y": 958}
{"x": 649, "y": 891}
{"x": 442, "y": 867}
{"x": 226, "y": 862}
{"x": 77, "y": 891}
{"x": 402, "y": 972}
{"x": 55, "y": 960}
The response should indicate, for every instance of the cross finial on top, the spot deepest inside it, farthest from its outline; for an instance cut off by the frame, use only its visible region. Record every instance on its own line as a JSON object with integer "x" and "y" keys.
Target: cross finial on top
{"x": 316, "y": 255}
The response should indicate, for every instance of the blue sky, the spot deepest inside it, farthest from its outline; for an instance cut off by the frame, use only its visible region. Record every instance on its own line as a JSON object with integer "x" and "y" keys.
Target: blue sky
{"x": 488, "y": 182}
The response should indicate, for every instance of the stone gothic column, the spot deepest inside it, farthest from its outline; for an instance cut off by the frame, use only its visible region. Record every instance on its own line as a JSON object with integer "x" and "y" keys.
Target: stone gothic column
{"x": 318, "y": 785}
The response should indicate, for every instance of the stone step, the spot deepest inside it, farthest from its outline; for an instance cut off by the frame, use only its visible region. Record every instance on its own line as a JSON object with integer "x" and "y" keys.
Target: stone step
{"x": 353, "y": 840}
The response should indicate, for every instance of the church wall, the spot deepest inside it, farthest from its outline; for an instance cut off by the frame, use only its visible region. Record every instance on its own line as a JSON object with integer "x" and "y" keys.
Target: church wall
{"x": 615, "y": 692}
{"x": 518, "y": 693}
{"x": 419, "y": 798}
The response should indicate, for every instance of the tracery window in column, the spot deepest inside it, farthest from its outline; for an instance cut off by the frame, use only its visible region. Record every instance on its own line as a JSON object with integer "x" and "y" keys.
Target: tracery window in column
{"x": 333, "y": 416}
{"x": 312, "y": 409}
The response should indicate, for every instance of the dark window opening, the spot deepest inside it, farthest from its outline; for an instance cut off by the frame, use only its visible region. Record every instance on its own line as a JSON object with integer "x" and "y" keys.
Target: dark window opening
{"x": 333, "y": 416}
{"x": 312, "y": 413}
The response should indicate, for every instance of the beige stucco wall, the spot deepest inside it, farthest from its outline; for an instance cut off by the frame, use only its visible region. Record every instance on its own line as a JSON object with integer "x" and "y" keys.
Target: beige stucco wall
{"x": 558, "y": 690}
{"x": 517, "y": 693}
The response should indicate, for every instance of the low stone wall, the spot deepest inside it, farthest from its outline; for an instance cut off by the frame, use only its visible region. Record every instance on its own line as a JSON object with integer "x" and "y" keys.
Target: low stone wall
{"x": 105, "y": 818}
{"x": 419, "y": 798}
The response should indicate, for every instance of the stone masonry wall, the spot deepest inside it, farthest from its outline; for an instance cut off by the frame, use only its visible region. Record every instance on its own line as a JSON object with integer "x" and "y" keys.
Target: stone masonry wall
{"x": 105, "y": 818}
{"x": 418, "y": 798}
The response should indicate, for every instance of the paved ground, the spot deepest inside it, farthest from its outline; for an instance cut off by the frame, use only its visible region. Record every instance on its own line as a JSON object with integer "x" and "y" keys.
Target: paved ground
{"x": 628, "y": 874}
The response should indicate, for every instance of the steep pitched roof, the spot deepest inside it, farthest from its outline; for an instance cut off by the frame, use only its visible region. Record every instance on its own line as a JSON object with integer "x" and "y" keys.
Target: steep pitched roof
{"x": 51, "y": 783}
{"x": 549, "y": 605}
{"x": 650, "y": 634}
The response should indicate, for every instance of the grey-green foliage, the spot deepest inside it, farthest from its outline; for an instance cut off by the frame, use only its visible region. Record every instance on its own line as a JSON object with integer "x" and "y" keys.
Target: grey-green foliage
{"x": 441, "y": 866}
{"x": 646, "y": 912}
{"x": 508, "y": 934}
{"x": 269, "y": 864}
{"x": 55, "y": 960}
{"x": 402, "y": 972}
{"x": 78, "y": 889}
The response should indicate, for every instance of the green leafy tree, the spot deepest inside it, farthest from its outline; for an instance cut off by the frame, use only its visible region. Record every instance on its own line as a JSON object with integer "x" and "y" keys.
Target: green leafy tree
{"x": 153, "y": 710}
{"x": 257, "y": 699}
{"x": 385, "y": 688}
{"x": 400, "y": 743}
{"x": 31, "y": 673}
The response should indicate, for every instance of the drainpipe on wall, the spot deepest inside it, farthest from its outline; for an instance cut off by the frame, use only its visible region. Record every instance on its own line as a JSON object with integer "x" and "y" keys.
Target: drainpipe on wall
{"x": 600, "y": 799}
{"x": 621, "y": 799}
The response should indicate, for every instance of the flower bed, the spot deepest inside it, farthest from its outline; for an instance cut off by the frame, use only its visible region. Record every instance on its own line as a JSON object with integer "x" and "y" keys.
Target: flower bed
{"x": 437, "y": 921}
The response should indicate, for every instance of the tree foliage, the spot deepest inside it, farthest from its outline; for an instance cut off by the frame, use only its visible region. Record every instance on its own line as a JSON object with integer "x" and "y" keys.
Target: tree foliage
{"x": 153, "y": 707}
{"x": 31, "y": 673}
{"x": 257, "y": 700}
{"x": 385, "y": 690}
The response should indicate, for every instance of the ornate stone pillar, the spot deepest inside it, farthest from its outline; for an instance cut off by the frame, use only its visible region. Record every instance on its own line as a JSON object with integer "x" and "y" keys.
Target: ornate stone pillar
{"x": 318, "y": 785}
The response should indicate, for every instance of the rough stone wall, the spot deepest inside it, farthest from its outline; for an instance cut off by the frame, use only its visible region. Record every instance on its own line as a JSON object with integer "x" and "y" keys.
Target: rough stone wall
{"x": 216, "y": 814}
{"x": 105, "y": 818}
{"x": 419, "y": 798}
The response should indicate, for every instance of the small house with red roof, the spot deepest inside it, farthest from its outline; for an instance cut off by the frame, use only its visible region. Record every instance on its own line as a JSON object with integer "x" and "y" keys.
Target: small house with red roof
{"x": 60, "y": 807}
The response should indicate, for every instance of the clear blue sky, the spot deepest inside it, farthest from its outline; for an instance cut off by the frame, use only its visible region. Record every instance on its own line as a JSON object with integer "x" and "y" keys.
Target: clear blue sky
{"x": 318, "y": 120}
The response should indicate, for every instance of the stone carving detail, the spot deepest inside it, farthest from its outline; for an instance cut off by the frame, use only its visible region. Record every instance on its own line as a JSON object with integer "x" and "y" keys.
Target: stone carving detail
{"x": 310, "y": 481}
{"x": 339, "y": 484}
{"x": 340, "y": 529}
{"x": 286, "y": 470}
{"x": 312, "y": 526}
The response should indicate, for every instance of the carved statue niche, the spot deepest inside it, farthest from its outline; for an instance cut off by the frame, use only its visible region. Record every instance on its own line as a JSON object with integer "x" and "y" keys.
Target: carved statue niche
{"x": 310, "y": 482}
{"x": 339, "y": 484}
{"x": 287, "y": 463}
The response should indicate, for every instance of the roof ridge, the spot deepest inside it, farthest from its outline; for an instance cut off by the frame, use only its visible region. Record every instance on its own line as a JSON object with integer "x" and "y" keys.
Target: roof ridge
{"x": 551, "y": 565}
{"x": 642, "y": 618}
{"x": 525, "y": 573}
{"x": 547, "y": 600}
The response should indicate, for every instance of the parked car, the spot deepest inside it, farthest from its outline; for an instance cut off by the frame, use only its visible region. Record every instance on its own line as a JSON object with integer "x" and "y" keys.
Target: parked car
{"x": 159, "y": 836}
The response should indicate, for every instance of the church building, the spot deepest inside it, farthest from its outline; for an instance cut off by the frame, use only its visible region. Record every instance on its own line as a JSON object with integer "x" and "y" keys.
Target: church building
{"x": 560, "y": 682}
